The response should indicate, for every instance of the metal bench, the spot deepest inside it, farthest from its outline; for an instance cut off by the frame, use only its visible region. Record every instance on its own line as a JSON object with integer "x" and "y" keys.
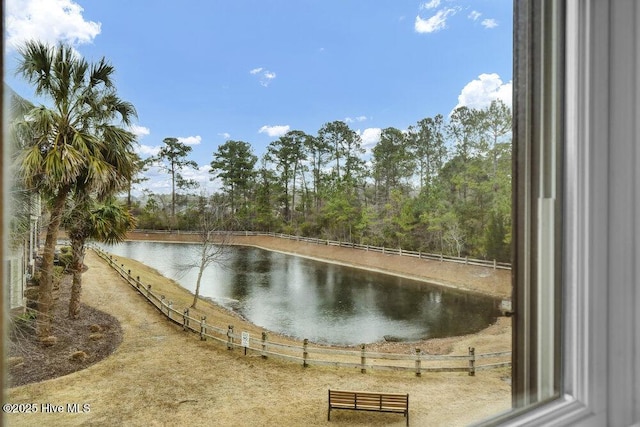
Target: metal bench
{"x": 369, "y": 401}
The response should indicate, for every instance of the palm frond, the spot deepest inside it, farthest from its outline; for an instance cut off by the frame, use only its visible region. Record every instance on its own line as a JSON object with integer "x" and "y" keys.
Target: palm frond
{"x": 35, "y": 66}
{"x": 75, "y": 143}
{"x": 101, "y": 74}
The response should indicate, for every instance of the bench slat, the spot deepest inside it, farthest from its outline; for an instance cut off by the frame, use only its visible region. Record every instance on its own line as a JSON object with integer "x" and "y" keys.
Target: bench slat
{"x": 369, "y": 401}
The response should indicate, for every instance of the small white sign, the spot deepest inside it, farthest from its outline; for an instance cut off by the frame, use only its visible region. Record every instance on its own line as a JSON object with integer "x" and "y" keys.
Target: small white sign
{"x": 245, "y": 339}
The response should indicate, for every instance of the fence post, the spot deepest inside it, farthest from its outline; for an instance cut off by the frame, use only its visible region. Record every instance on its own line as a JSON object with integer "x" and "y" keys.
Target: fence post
{"x": 305, "y": 353}
{"x": 363, "y": 360}
{"x": 148, "y": 291}
{"x": 441, "y": 257}
{"x": 185, "y": 319}
{"x": 472, "y": 361}
{"x": 418, "y": 372}
{"x": 400, "y": 251}
{"x": 138, "y": 282}
{"x": 264, "y": 345}
{"x": 161, "y": 303}
{"x": 230, "y": 338}
{"x": 203, "y": 328}
{"x": 466, "y": 259}
{"x": 129, "y": 273}
{"x": 169, "y": 308}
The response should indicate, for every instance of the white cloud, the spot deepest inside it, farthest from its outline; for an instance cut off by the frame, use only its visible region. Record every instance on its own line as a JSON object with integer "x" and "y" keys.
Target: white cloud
{"x": 430, "y": 5}
{"x": 153, "y": 150}
{"x": 225, "y": 135}
{"x": 200, "y": 175}
{"x": 190, "y": 140}
{"x": 480, "y": 92}
{"x": 265, "y": 76}
{"x": 159, "y": 181}
{"x": 489, "y": 23}
{"x": 277, "y": 130}
{"x": 355, "y": 119}
{"x": 139, "y": 131}
{"x": 370, "y": 137}
{"x": 434, "y": 24}
{"x": 148, "y": 150}
{"x": 474, "y": 15}
{"x": 50, "y": 21}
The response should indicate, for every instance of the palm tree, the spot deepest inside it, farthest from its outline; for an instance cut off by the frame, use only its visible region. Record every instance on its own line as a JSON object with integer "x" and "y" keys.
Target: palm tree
{"x": 106, "y": 222}
{"x": 73, "y": 140}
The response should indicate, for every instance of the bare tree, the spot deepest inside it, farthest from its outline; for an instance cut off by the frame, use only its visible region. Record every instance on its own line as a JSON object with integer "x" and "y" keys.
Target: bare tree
{"x": 455, "y": 237}
{"x": 214, "y": 243}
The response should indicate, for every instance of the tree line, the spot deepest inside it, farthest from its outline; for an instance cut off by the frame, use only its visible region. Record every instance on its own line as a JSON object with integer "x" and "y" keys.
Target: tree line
{"x": 443, "y": 185}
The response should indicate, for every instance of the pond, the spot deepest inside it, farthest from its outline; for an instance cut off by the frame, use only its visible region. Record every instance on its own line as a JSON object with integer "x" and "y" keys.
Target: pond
{"x": 326, "y": 303}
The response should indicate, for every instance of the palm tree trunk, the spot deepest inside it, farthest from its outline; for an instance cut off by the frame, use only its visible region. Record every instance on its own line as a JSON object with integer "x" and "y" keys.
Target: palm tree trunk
{"x": 45, "y": 295}
{"x": 77, "y": 263}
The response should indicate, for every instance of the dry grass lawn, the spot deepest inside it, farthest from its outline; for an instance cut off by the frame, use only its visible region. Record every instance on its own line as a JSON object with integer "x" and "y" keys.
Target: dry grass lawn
{"x": 161, "y": 375}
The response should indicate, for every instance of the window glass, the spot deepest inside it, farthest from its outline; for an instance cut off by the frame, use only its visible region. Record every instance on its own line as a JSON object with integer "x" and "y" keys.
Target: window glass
{"x": 538, "y": 180}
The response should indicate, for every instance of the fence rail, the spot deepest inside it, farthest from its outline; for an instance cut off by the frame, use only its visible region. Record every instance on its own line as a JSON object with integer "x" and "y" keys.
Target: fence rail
{"x": 381, "y": 249}
{"x": 307, "y": 354}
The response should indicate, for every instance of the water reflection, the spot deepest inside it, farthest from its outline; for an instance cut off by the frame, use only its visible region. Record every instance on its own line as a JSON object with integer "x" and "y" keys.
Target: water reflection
{"x": 322, "y": 302}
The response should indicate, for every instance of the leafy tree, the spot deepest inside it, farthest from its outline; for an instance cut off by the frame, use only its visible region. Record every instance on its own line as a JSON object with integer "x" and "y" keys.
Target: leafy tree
{"x": 426, "y": 140}
{"x": 465, "y": 130}
{"x": 287, "y": 153}
{"x": 175, "y": 153}
{"x": 318, "y": 151}
{"x": 496, "y": 243}
{"x": 72, "y": 138}
{"x": 234, "y": 164}
{"x": 106, "y": 222}
{"x": 140, "y": 167}
{"x": 392, "y": 162}
{"x": 346, "y": 151}
{"x": 497, "y": 127}
{"x": 267, "y": 188}
{"x": 497, "y": 124}
{"x": 340, "y": 216}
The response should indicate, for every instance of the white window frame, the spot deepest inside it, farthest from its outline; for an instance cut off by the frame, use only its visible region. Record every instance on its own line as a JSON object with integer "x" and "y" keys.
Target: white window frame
{"x": 600, "y": 316}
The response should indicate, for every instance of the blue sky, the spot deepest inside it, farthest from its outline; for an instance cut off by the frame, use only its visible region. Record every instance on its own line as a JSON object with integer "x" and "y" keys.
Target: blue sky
{"x": 206, "y": 71}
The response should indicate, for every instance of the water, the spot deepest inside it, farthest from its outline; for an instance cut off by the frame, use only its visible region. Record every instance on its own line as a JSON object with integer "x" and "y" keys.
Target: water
{"x": 323, "y": 302}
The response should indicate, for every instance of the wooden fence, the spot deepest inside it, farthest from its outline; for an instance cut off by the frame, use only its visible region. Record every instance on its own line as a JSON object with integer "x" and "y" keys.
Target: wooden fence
{"x": 307, "y": 354}
{"x": 381, "y": 249}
